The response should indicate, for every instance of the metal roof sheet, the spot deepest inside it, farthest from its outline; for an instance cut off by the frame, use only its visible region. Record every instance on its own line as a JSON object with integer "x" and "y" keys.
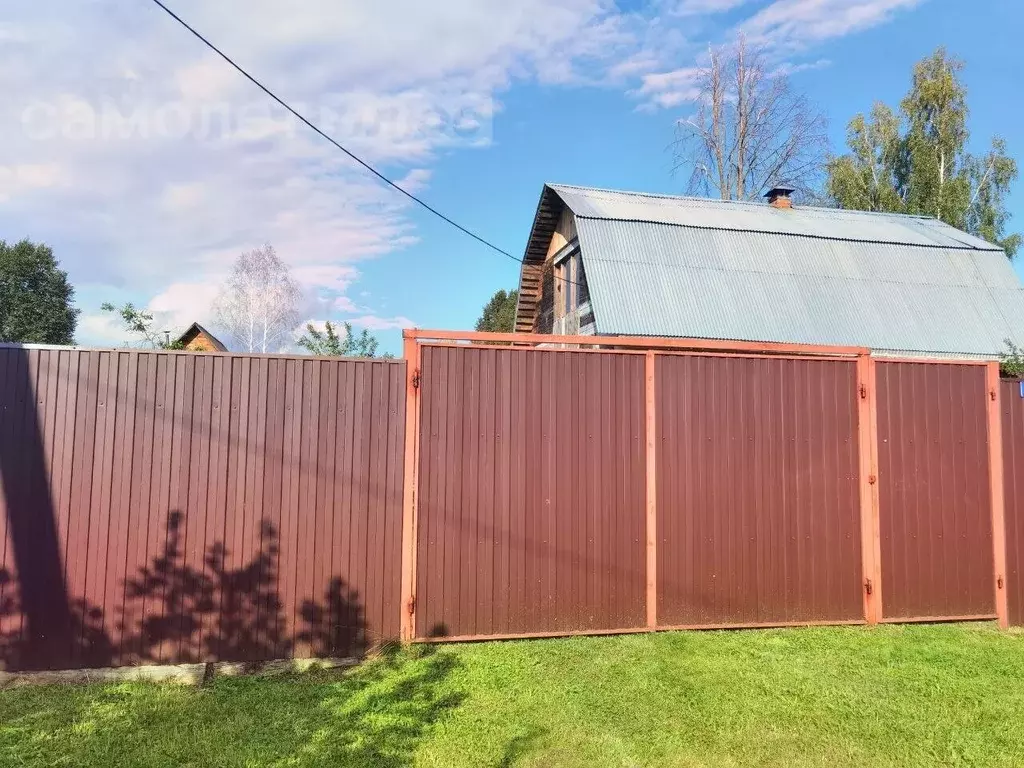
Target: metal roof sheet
{"x": 825, "y": 223}
{"x": 649, "y": 278}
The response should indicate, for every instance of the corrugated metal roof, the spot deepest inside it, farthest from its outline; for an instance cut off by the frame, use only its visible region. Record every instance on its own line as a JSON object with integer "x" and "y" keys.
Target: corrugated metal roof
{"x": 893, "y": 283}
{"x": 826, "y": 223}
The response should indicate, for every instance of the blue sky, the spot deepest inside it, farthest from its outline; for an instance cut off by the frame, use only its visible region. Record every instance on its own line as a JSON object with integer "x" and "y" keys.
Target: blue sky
{"x": 473, "y": 104}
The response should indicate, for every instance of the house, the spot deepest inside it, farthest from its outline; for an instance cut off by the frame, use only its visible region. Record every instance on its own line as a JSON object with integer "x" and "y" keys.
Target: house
{"x": 624, "y": 263}
{"x": 198, "y": 339}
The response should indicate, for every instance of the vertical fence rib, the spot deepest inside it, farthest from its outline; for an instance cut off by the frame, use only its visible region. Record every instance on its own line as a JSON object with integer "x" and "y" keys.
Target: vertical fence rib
{"x": 652, "y": 494}
{"x": 411, "y": 353}
{"x": 995, "y": 474}
{"x": 867, "y": 435}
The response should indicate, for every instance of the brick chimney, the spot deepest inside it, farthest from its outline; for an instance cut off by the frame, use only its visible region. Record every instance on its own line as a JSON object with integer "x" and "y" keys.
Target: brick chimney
{"x": 778, "y": 197}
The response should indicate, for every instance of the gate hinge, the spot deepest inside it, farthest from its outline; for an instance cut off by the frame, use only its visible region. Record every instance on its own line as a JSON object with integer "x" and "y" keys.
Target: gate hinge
{"x": 999, "y": 582}
{"x": 992, "y": 394}
{"x": 868, "y": 586}
{"x": 863, "y": 392}
{"x": 416, "y": 379}
{"x": 411, "y": 607}
{"x": 872, "y": 479}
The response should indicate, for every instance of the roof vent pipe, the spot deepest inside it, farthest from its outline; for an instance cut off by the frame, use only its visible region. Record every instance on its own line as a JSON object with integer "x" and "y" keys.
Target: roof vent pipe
{"x": 778, "y": 197}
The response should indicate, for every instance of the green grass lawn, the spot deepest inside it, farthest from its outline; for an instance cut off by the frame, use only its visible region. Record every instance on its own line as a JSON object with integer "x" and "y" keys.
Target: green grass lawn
{"x": 914, "y": 695}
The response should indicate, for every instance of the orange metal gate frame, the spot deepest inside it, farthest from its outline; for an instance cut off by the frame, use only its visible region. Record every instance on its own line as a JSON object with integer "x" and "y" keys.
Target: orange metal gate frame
{"x": 651, "y": 347}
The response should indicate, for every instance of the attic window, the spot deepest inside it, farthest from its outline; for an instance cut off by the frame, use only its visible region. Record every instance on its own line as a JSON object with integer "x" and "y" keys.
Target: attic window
{"x": 567, "y": 273}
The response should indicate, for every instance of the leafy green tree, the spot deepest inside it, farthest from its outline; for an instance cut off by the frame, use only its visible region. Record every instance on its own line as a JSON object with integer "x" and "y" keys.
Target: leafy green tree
{"x": 499, "y": 314}
{"x": 866, "y": 179}
{"x": 917, "y": 161}
{"x": 35, "y": 296}
{"x": 991, "y": 176}
{"x": 1011, "y": 362}
{"x": 328, "y": 343}
{"x": 139, "y": 323}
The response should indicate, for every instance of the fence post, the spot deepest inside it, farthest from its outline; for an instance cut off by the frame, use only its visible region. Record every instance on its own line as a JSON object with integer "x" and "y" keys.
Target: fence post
{"x": 652, "y": 493}
{"x": 995, "y": 475}
{"x": 411, "y": 353}
{"x": 867, "y": 442}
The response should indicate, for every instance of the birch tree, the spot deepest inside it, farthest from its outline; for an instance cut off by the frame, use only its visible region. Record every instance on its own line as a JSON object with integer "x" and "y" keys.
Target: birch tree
{"x": 750, "y": 131}
{"x": 918, "y": 162}
{"x": 258, "y": 305}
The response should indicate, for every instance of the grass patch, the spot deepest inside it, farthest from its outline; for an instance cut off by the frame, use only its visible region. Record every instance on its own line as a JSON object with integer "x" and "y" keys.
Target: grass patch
{"x": 911, "y": 695}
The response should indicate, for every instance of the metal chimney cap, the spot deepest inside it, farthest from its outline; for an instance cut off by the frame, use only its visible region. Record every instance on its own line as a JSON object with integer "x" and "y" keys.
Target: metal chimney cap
{"x": 780, "y": 190}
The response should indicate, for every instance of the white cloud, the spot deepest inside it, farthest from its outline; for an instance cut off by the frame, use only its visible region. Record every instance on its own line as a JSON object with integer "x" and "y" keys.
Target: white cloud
{"x": 375, "y": 323}
{"x": 162, "y": 161}
{"x": 180, "y": 304}
{"x": 209, "y": 79}
{"x": 345, "y": 305}
{"x": 179, "y": 198}
{"x": 19, "y": 179}
{"x": 799, "y": 23}
{"x": 670, "y": 89}
{"x": 150, "y": 164}
{"x": 100, "y": 329}
{"x": 702, "y": 7}
{"x": 792, "y": 68}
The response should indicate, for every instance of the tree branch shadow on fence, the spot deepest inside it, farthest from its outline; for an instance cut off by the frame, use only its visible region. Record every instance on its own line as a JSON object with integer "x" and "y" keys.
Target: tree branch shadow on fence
{"x": 174, "y": 611}
{"x": 375, "y": 714}
{"x": 220, "y": 612}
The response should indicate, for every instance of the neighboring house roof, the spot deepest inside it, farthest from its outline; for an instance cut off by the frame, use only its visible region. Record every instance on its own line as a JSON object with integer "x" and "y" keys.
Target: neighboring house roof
{"x": 196, "y": 331}
{"x": 678, "y": 266}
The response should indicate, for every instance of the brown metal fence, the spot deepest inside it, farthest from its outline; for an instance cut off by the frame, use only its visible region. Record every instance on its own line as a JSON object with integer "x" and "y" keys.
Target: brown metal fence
{"x": 1012, "y": 397}
{"x": 169, "y": 507}
{"x": 758, "y": 500}
{"x": 935, "y": 504}
{"x": 162, "y": 507}
{"x": 531, "y": 507}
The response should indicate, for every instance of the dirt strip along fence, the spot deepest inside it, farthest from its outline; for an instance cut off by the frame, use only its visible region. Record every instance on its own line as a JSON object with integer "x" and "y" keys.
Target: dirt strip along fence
{"x": 166, "y": 507}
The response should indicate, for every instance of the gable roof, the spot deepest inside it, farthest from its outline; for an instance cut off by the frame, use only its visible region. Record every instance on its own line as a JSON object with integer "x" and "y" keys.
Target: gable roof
{"x": 194, "y": 330}
{"x": 678, "y": 266}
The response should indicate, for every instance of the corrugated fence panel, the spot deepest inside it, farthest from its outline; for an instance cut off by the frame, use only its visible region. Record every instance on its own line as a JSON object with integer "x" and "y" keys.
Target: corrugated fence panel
{"x": 757, "y": 489}
{"x": 531, "y": 501}
{"x": 183, "y": 507}
{"x": 1012, "y": 400}
{"x": 934, "y": 497}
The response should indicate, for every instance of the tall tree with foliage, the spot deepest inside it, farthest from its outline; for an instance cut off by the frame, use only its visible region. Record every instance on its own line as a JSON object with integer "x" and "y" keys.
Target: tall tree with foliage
{"x": 499, "y": 314}
{"x": 329, "y": 343}
{"x": 35, "y": 296}
{"x": 917, "y": 161}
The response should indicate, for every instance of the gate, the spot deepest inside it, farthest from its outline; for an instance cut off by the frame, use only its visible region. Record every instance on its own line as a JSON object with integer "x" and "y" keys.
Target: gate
{"x": 758, "y": 498}
{"x": 531, "y": 492}
{"x": 935, "y": 497}
{"x": 575, "y": 485}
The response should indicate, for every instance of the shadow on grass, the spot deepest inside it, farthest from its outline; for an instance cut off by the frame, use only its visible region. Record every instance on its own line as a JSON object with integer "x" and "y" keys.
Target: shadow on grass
{"x": 376, "y": 714}
{"x": 520, "y": 746}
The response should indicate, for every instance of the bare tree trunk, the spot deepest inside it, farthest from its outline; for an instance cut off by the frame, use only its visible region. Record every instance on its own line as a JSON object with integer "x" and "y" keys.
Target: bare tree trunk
{"x": 942, "y": 182}
{"x": 718, "y": 124}
{"x": 743, "y": 118}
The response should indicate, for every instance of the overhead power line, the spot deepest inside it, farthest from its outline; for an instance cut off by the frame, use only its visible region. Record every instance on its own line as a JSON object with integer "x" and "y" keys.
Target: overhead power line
{"x": 309, "y": 124}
